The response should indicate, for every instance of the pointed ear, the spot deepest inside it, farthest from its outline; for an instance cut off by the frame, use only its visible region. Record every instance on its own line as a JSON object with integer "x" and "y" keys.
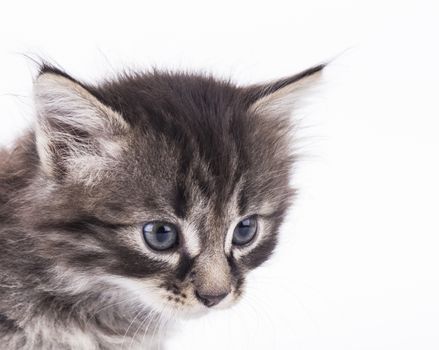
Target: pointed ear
{"x": 281, "y": 96}
{"x": 73, "y": 126}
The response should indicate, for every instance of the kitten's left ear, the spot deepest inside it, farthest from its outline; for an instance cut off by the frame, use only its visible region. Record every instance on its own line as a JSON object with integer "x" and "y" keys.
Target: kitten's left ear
{"x": 281, "y": 96}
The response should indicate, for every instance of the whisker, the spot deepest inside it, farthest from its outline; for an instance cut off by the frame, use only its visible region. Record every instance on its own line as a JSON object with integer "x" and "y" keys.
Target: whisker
{"x": 151, "y": 316}
{"x": 129, "y": 326}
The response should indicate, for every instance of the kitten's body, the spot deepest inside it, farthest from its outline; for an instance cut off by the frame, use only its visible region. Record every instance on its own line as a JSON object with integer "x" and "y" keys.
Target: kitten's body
{"x": 74, "y": 273}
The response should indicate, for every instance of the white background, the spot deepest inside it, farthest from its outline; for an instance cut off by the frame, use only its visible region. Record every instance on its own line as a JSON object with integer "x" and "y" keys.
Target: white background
{"x": 358, "y": 264}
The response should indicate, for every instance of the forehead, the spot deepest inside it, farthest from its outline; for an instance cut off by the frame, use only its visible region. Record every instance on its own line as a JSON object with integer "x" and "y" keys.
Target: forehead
{"x": 194, "y": 146}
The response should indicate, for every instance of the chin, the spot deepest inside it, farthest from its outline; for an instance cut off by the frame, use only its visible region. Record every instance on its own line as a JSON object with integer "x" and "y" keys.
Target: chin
{"x": 190, "y": 313}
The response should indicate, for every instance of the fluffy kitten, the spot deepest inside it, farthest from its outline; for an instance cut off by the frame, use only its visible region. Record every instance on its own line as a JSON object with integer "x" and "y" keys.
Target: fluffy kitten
{"x": 137, "y": 201}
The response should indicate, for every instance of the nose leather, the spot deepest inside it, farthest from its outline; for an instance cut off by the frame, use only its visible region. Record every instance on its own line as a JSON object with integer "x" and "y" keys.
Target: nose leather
{"x": 210, "y": 300}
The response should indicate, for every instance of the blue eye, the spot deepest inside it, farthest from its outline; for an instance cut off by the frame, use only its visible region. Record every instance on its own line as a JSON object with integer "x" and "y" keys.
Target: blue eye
{"x": 160, "y": 235}
{"x": 245, "y": 231}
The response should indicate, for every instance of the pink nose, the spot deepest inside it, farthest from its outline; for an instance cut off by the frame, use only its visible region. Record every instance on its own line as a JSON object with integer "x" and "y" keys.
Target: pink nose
{"x": 210, "y": 300}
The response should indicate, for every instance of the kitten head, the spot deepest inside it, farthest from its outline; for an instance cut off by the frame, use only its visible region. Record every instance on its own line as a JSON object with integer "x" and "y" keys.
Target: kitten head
{"x": 167, "y": 186}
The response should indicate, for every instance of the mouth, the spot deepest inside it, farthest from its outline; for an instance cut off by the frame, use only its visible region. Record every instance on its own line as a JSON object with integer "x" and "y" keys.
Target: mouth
{"x": 187, "y": 306}
{"x": 185, "y": 300}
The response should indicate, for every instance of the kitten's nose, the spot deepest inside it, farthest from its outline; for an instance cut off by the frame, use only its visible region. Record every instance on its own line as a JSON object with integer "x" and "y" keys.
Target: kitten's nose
{"x": 210, "y": 300}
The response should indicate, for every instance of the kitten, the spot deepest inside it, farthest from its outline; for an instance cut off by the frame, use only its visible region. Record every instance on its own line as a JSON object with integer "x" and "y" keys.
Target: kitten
{"x": 139, "y": 201}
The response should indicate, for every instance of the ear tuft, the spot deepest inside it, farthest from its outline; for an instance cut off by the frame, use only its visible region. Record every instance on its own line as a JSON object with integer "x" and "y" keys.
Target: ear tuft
{"x": 49, "y": 68}
{"x": 281, "y": 96}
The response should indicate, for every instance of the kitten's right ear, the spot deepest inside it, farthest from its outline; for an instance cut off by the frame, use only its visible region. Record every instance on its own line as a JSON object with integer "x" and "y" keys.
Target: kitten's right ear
{"x": 72, "y": 125}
